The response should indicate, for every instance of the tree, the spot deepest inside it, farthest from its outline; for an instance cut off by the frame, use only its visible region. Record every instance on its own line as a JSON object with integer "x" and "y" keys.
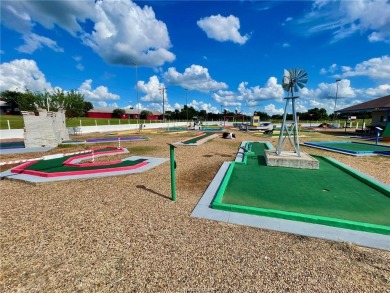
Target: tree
{"x": 29, "y": 101}
{"x": 317, "y": 114}
{"x": 145, "y": 113}
{"x": 203, "y": 114}
{"x": 43, "y": 101}
{"x": 57, "y": 99}
{"x": 87, "y": 107}
{"x": 12, "y": 99}
{"x": 263, "y": 115}
{"x": 118, "y": 113}
{"x": 73, "y": 104}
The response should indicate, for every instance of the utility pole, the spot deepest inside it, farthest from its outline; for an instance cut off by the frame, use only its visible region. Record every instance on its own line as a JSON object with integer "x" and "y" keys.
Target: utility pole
{"x": 335, "y": 101}
{"x": 163, "y": 100}
{"x": 187, "y": 103}
{"x": 136, "y": 88}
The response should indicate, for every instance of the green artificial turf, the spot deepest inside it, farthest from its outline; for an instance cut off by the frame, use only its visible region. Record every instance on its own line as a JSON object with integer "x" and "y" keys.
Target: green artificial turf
{"x": 329, "y": 192}
{"x": 196, "y": 139}
{"x": 352, "y": 146}
{"x": 56, "y": 164}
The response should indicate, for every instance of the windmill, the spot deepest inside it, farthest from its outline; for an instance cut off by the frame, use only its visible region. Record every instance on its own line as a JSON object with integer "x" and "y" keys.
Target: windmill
{"x": 293, "y": 80}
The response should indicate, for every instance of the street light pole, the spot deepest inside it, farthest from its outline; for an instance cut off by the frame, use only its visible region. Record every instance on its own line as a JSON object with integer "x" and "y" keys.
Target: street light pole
{"x": 335, "y": 101}
{"x": 163, "y": 100}
{"x": 187, "y": 103}
{"x": 136, "y": 88}
{"x": 221, "y": 115}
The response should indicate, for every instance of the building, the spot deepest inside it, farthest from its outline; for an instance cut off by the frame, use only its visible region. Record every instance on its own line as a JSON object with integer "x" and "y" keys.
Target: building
{"x": 379, "y": 108}
{"x": 107, "y": 112}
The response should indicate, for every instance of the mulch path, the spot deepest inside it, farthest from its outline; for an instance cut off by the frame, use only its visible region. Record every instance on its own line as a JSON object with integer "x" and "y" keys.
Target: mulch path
{"x": 124, "y": 234}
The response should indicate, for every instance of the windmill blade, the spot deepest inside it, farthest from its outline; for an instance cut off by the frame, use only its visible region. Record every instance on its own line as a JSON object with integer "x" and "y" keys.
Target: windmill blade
{"x": 301, "y": 78}
{"x": 286, "y": 84}
{"x": 286, "y": 80}
{"x": 294, "y": 79}
{"x": 301, "y": 74}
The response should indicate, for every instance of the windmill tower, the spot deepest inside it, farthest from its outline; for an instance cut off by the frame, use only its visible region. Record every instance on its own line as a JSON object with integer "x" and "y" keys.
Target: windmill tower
{"x": 293, "y": 80}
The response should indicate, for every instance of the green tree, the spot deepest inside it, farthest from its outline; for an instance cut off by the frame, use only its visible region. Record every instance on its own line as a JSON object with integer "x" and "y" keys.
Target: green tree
{"x": 43, "y": 101}
{"x": 29, "y": 101}
{"x": 317, "y": 114}
{"x": 145, "y": 113}
{"x": 263, "y": 115}
{"x": 87, "y": 107}
{"x": 12, "y": 99}
{"x": 203, "y": 114}
{"x": 74, "y": 104}
{"x": 118, "y": 113}
{"x": 57, "y": 98}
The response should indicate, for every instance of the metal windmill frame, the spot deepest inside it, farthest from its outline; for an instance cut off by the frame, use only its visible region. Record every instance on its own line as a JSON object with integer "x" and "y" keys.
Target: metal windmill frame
{"x": 293, "y": 79}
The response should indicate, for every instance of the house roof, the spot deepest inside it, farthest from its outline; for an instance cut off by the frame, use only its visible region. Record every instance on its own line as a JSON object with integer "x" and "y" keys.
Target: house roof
{"x": 379, "y": 104}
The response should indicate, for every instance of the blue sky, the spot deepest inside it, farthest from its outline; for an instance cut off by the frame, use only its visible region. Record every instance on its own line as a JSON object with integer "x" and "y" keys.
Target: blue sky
{"x": 207, "y": 54}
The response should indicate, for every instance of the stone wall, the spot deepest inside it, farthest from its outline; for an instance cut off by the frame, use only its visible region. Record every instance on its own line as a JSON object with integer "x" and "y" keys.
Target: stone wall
{"x": 43, "y": 128}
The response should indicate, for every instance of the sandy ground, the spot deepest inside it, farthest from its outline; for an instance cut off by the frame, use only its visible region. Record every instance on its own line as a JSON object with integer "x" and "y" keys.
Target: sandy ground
{"x": 124, "y": 234}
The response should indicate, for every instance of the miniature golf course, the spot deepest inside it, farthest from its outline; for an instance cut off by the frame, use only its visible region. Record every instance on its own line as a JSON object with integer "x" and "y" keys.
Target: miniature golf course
{"x": 69, "y": 165}
{"x": 115, "y": 139}
{"x": 202, "y": 137}
{"x": 352, "y": 148}
{"x": 333, "y": 195}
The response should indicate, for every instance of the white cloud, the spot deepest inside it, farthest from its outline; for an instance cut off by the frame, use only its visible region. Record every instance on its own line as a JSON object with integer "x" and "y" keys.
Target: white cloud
{"x": 250, "y": 96}
{"x": 272, "y": 110}
{"x": 105, "y": 104}
{"x": 77, "y": 58}
{"x": 80, "y": 67}
{"x": 222, "y": 28}
{"x": 345, "y": 18}
{"x": 288, "y": 19}
{"x": 34, "y": 42}
{"x": 380, "y": 91}
{"x": 153, "y": 91}
{"x": 125, "y": 33}
{"x": 195, "y": 77}
{"x": 20, "y": 74}
{"x": 271, "y": 90}
{"x": 328, "y": 90}
{"x": 200, "y": 105}
{"x": 122, "y": 32}
{"x": 226, "y": 98}
{"x": 375, "y": 68}
{"x": 330, "y": 69}
{"x": 99, "y": 94}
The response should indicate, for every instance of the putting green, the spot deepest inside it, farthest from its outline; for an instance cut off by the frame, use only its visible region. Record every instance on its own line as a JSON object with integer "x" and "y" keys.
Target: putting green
{"x": 57, "y": 165}
{"x": 354, "y": 146}
{"x": 197, "y": 138}
{"x": 331, "y": 195}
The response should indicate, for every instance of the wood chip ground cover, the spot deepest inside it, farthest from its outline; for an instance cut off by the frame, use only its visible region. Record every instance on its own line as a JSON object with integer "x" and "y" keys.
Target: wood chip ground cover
{"x": 124, "y": 234}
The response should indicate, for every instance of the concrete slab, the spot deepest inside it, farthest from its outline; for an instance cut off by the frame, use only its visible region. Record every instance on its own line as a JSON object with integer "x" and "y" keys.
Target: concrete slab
{"x": 289, "y": 159}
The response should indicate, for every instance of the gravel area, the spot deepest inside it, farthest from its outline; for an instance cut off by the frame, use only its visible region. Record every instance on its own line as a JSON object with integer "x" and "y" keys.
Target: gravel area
{"x": 124, "y": 234}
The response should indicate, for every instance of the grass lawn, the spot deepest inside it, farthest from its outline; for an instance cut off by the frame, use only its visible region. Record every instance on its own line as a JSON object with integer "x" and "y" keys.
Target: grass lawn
{"x": 16, "y": 121}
